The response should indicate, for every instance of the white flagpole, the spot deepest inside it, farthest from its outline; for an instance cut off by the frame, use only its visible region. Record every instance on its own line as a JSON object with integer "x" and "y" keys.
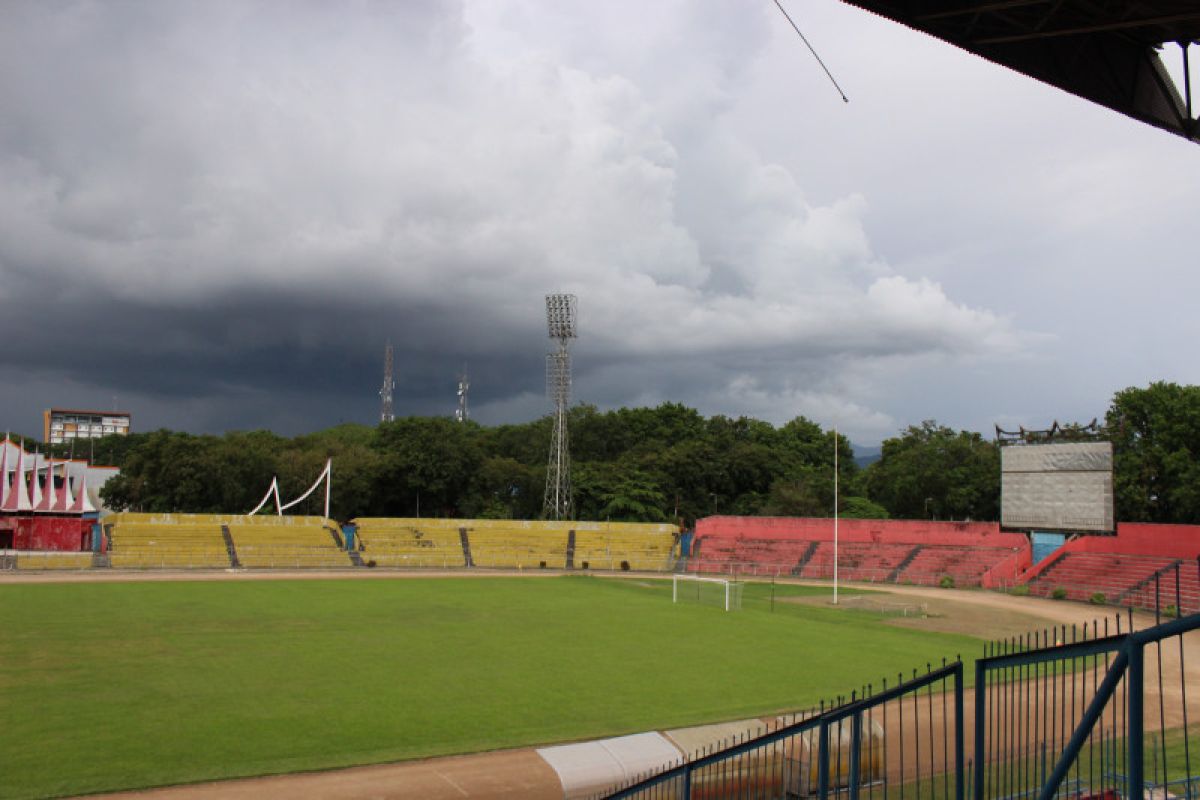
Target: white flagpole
{"x": 835, "y": 515}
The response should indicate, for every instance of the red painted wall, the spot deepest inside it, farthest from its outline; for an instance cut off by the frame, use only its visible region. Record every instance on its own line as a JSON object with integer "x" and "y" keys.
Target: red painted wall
{"x": 1143, "y": 538}
{"x": 49, "y": 533}
{"x": 888, "y": 531}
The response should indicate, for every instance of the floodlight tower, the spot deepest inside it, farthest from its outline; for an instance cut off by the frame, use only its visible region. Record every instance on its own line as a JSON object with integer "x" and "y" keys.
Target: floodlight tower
{"x": 389, "y": 383}
{"x": 464, "y": 384}
{"x": 560, "y": 320}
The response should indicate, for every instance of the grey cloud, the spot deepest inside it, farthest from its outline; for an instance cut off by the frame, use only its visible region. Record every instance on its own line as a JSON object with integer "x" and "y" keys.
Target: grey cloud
{"x": 222, "y": 211}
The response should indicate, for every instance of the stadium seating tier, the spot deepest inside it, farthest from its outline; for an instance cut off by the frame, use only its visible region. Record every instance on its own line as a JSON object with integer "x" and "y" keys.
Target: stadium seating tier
{"x": 190, "y": 541}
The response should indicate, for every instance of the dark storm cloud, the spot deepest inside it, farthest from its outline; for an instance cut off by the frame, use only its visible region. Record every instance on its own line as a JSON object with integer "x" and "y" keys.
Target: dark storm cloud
{"x": 291, "y": 347}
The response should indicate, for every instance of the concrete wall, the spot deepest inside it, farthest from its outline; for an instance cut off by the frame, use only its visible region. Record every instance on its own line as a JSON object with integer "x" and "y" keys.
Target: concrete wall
{"x": 70, "y": 534}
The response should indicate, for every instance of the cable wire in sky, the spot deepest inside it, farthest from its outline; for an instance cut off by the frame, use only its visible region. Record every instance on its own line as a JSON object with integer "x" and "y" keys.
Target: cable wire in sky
{"x": 811, "y": 50}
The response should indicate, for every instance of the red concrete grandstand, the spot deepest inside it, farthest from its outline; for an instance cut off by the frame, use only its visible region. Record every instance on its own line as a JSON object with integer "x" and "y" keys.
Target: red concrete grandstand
{"x": 1126, "y": 569}
{"x": 877, "y": 551}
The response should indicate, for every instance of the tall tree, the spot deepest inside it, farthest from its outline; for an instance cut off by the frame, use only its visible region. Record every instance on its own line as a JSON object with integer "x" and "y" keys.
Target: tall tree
{"x": 504, "y": 488}
{"x": 426, "y": 465}
{"x": 1156, "y": 449}
{"x": 932, "y": 472}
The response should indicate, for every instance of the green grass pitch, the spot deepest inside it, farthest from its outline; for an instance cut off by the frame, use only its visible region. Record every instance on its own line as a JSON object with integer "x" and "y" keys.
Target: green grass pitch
{"x": 106, "y": 686}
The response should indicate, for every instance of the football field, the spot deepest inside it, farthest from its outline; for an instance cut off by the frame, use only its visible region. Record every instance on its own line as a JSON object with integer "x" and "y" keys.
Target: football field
{"x": 119, "y": 685}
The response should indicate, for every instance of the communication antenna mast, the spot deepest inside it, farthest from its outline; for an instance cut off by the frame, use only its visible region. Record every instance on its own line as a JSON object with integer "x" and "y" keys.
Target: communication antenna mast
{"x": 560, "y": 320}
{"x": 389, "y": 383}
{"x": 464, "y": 384}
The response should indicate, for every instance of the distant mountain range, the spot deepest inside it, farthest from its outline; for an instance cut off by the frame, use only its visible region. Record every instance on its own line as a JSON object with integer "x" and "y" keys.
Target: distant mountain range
{"x": 864, "y": 454}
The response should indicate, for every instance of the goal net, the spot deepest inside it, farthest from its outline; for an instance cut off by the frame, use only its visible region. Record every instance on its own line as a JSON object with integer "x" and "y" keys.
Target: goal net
{"x": 695, "y": 589}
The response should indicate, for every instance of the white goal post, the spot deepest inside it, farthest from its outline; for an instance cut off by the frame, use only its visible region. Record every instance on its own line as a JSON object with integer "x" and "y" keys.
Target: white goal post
{"x": 722, "y": 591}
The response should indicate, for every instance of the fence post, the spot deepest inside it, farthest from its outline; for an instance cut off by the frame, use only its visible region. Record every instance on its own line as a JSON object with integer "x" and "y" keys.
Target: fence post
{"x": 958, "y": 731}
{"x": 855, "y": 753}
{"x": 980, "y": 722}
{"x": 1134, "y": 719}
{"x": 687, "y": 781}
{"x": 823, "y": 762}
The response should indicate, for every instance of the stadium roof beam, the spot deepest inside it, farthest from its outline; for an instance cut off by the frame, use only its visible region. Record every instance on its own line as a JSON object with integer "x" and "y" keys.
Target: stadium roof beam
{"x": 1104, "y": 51}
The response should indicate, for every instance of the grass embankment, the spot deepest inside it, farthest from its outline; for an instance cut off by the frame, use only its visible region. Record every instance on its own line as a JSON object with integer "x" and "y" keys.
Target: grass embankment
{"x": 119, "y": 685}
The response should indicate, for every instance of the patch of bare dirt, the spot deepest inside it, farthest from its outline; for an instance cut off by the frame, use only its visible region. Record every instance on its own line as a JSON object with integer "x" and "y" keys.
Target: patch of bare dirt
{"x": 939, "y": 612}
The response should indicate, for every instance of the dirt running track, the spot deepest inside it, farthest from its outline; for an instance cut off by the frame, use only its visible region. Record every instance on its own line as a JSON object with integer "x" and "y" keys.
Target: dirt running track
{"x": 510, "y": 774}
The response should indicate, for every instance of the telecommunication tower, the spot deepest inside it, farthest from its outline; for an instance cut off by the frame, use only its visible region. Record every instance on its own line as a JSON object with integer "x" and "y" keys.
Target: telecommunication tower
{"x": 389, "y": 383}
{"x": 464, "y": 384}
{"x": 560, "y": 320}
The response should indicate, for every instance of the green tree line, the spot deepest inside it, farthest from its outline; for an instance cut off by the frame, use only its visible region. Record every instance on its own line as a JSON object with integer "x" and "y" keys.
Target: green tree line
{"x": 668, "y": 463}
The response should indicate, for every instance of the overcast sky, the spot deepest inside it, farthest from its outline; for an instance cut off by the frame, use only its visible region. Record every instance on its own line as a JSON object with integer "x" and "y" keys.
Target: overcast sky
{"x": 214, "y": 214}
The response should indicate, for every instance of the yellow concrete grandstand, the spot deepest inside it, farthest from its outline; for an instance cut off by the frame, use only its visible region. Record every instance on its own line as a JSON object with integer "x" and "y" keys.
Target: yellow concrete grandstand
{"x": 612, "y": 545}
{"x": 519, "y": 544}
{"x": 149, "y": 541}
{"x": 285, "y": 542}
{"x": 410, "y": 542}
{"x": 33, "y": 559}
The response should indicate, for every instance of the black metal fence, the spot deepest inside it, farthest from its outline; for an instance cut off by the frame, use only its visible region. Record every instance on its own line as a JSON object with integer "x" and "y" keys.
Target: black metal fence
{"x": 1094, "y": 712}
{"x": 1097, "y": 711}
{"x": 840, "y": 750}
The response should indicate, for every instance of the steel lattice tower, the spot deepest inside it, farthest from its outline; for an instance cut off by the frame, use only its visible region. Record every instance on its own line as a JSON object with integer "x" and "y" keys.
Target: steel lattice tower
{"x": 389, "y": 383}
{"x": 560, "y": 320}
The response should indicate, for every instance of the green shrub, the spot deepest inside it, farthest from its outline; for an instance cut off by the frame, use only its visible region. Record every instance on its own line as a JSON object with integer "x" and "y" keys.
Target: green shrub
{"x": 1171, "y": 611}
{"x": 1098, "y": 599}
{"x": 1020, "y": 591}
{"x": 947, "y": 582}
{"x": 1059, "y": 593}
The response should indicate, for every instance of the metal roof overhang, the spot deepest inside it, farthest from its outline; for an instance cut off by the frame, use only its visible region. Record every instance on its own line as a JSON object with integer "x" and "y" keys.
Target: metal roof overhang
{"x": 1104, "y": 51}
